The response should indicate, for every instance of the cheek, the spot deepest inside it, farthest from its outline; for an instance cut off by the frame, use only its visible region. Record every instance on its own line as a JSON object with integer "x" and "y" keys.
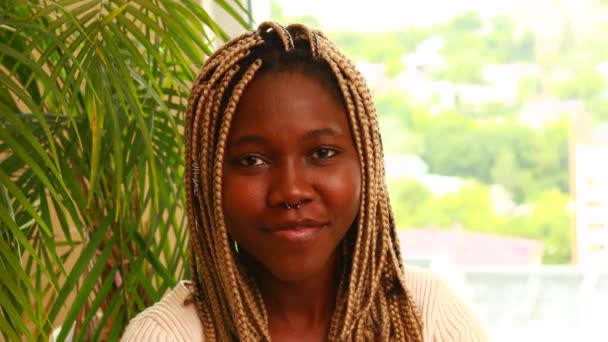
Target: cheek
{"x": 343, "y": 192}
{"x": 242, "y": 198}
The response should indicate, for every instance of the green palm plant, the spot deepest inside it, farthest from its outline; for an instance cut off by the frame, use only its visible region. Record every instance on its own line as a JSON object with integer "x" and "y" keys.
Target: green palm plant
{"x": 91, "y": 190}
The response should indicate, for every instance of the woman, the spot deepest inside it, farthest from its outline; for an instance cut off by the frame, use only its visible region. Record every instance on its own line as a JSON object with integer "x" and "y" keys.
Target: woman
{"x": 292, "y": 235}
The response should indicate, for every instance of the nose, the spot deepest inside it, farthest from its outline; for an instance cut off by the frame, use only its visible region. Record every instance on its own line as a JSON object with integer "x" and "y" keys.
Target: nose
{"x": 290, "y": 184}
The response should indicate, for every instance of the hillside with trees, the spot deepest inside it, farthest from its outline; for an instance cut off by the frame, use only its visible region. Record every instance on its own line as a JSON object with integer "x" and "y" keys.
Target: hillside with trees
{"x": 489, "y": 101}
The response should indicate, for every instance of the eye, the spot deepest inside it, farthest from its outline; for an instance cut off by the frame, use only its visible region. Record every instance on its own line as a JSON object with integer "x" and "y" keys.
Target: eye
{"x": 324, "y": 153}
{"x": 249, "y": 161}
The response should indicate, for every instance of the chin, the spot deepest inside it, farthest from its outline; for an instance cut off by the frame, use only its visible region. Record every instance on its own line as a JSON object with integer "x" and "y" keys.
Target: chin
{"x": 296, "y": 273}
{"x": 294, "y": 268}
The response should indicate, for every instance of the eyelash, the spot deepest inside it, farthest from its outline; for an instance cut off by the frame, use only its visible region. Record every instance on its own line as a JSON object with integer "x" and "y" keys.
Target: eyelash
{"x": 241, "y": 161}
{"x": 332, "y": 151}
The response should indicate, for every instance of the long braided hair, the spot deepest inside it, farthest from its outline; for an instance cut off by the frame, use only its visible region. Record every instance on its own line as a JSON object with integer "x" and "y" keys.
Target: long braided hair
{"x": 373, "y": 302}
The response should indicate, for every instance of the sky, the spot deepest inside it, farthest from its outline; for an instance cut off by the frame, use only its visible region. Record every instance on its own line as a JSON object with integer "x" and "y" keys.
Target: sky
{"x": 375, "y": 14}
{"x": 382, "y": 15}
{"x": 379, "y": 15}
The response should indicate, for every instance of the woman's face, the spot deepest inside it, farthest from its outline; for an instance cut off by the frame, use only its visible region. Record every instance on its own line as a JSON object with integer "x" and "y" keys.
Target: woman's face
{"x": 290, "y": 143}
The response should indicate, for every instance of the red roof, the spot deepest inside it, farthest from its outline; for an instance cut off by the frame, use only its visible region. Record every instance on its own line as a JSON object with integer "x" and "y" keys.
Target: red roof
{"x": 470, "y": 248}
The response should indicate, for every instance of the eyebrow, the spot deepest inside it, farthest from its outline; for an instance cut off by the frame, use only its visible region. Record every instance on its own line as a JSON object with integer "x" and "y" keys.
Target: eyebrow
{"x": 247, "y": 139}
{"x": 315, "y": 133}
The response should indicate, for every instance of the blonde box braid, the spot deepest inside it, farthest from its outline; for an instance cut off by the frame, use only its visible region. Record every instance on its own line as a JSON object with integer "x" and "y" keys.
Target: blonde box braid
{"x": 373, "y": 302}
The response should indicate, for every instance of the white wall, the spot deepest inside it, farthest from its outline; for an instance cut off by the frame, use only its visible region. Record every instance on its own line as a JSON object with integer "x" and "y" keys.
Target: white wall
{"x": 591, "y": 170}
{"x": 260, "y": 11}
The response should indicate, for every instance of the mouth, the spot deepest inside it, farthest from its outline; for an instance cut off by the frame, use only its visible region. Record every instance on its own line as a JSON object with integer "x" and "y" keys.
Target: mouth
{"x": 297, "y": 231}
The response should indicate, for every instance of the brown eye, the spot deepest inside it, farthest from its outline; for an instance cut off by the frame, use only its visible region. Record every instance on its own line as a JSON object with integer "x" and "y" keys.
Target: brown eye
{"x": 249, "y": 161}
{"x": 324, "y": 153}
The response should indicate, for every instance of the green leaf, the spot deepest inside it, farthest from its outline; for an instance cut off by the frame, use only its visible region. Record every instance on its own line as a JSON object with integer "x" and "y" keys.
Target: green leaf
{"x": 113, "y": 14}
{"x": 91, "y": 184}
{"x": 84, "y": 292}
{"x": 79, "y": 267}
{"x": 19, "y": 196}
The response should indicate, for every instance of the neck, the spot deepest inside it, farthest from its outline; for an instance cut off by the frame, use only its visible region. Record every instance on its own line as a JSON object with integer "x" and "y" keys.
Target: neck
{"x": 303, "y": 306}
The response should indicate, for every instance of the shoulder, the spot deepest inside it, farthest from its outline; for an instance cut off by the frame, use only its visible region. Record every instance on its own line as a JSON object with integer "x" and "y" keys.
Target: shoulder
{"x": 167, "y": 320}
{"x": 445, "y": 315}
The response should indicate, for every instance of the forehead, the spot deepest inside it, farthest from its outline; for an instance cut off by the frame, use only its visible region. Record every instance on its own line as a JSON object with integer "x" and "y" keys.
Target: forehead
{"x": 288, "y": 100}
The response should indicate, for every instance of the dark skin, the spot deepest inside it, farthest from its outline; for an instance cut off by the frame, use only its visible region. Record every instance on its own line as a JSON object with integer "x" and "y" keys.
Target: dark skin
{"x": 291, "y": 143}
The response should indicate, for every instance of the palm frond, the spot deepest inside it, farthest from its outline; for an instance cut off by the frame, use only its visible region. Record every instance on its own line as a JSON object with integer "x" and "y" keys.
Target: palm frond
{"x": 91, "y": 153}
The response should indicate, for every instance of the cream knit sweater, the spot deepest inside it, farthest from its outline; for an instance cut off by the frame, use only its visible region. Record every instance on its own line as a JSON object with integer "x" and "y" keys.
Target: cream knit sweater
{"x": 445, "y": 316}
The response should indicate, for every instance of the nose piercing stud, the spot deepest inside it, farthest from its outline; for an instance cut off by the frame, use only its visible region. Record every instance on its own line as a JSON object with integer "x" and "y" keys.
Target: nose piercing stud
{"x": 292, "y": 206}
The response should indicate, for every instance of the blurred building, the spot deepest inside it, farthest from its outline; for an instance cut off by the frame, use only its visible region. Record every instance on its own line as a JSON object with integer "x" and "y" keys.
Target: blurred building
{"x": 538, "y": 303}
{"x": 413, "y": 167}
{"x": 376, "y": 77}
{"x": 541, "y": 112}
{"x": 589, "y": 188}
{"x": 466, "y": 248}
{"x": 404, "y": 166}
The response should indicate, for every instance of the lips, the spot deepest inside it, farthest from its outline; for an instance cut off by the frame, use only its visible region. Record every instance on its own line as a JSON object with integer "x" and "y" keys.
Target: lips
{"x": 297, "y": 230}
{"x": 295, "y": 224}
